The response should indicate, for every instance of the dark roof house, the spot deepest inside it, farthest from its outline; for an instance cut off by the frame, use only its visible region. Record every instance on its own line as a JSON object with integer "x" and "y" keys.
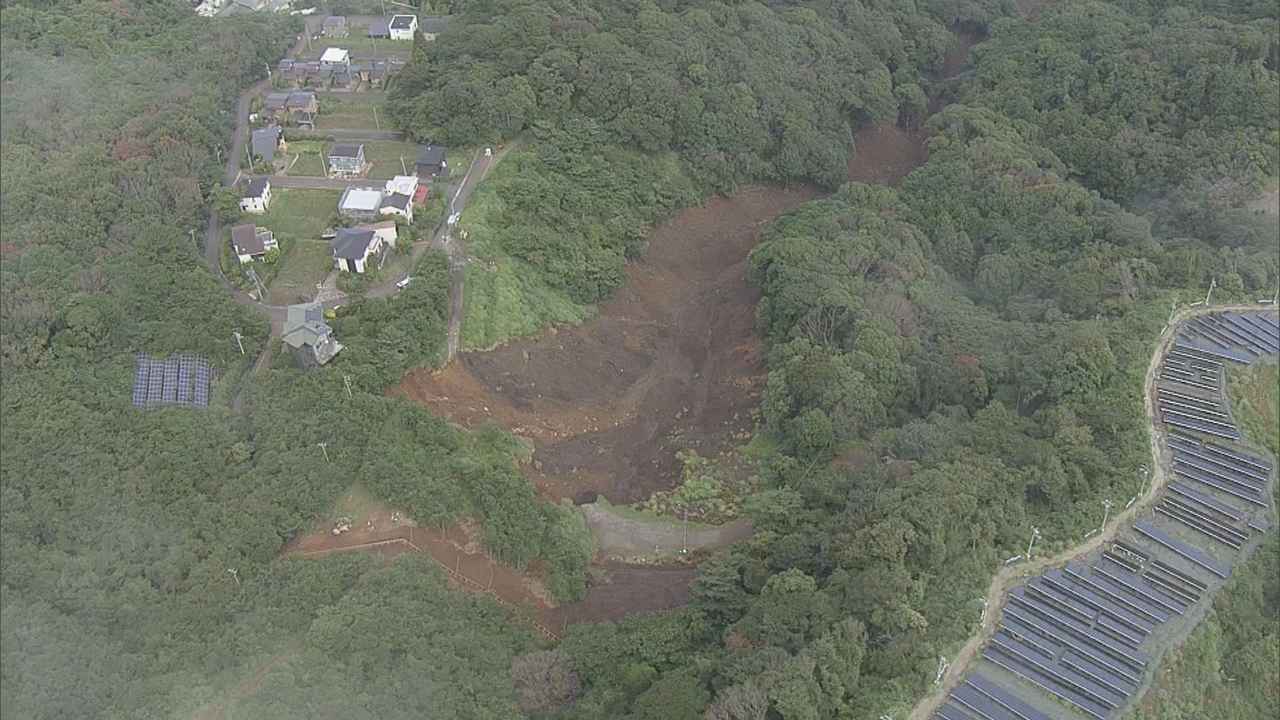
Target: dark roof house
{"x": 257, "y": 187}
{"x": 250, "y": 241}
{"x": 430, "y": 160}
{"x": 397, "y": 201}
{"x": 352, "y": 243}
{"x": 335, "y": 26}
{"x": 379, "y": 28}
{"x": 275, "y": 101}
{"x": 265, "y": 141}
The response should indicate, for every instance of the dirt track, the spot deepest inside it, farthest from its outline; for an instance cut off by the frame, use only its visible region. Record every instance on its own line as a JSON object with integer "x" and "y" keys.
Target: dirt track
{"x": 1007, "y": 577}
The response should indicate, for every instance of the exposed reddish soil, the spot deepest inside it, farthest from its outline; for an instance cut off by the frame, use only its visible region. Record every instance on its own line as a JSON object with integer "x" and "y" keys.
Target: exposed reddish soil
{"x": 670, "y": 362}
{"x": 884, "y": 154}
{"x": 624, "y": 590}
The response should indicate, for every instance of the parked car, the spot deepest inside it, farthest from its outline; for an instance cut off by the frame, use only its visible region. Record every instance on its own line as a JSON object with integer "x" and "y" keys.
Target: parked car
{"x": 402, "y": 284}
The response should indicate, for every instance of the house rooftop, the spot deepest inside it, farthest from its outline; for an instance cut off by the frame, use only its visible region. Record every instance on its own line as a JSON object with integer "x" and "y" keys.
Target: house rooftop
{"x": 275, "y": 100}
{"x": 434, "y": 25}
{"x": 403, "y": 184}
{"x": 360, "y": 199}
{"x": 265, "y": 140}
{"x": 250, "y": 240}
{"x": 335, "y": 21}
{"x": 335, "y": 55}
{"x": 431, "y": 155}
{"x": 257, "y": 187}
{"x": 397, "y": 200}
{"x": 402, "y": 22}
{"x": 300, "y": 99}
{"x": 345, "y": 150}
{"x": 379, "y": 28}
{"x": 352, "y": 243}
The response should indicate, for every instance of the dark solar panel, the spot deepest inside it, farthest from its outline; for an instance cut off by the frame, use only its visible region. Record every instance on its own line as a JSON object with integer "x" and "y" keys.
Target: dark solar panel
{"x": 1246, "y": 485}
{"x": 1238, "y": 457}
{"x": 979, "y": 704}
{"x": 140, "y": 381}
{"x": 1133, "y": 580}
{"x": 1064, "y": 624}
{"x": 1187, "y": 552}
{"x": 1023, "y": 624}
{"x": 1193, "y": 346}
{"x": 1207, "y": 517}
{"x": 1191, "y": 580}
{"x": 1153, "y": 613}
{"x": 1192, "y": 474}
{"x": 1049, "y": 685}
{"x": 1196, "y": 526}
{"x": 1097, "y": 601}
{"x": 1004, "y": 697}
{"x": 184, "y": 379}
{"x": 1204, "y": 457}
{"x": 1200, "y": 426}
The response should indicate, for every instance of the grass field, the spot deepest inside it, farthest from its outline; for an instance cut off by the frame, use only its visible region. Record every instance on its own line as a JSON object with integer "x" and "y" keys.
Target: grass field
{"x": 385, "y": 157}
{"x": 350, "y": 110}
{"x": 306, "y": 157}
{"x": 297, "y": 217}
{"x": 1255, "y": 402}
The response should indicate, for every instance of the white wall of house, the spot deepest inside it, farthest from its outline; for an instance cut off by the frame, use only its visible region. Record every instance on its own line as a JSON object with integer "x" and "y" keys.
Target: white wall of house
{"x": 407, "y": 213}
{"x": 405, "y": 33}
{"x": 360, "y": 263}
{"x": 386, "y": 235}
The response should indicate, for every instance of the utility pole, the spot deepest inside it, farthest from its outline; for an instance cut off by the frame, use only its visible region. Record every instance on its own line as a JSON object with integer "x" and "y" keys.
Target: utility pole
{"x": 324, "y": 448}
{"x": 346, "y": 380}
{"x": 376, "y": 124}
{"x": 1106, "y": 513}
{"x": 982, "y": 617}
{"x": 684, "y": 548}
{"x": 1035, "y": 533}
{"x": 248, "y": 156}
{"x": 1213, "y": 282}
{"x": 404, "y": 169}
{"x": 236, "y": 334}
{"x": 193, "y": 239}
{"x": 235, "y": 574}
{"x": 1145, "y": 473}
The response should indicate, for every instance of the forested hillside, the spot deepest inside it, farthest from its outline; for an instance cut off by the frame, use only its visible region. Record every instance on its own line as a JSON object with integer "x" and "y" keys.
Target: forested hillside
{"x": 630, "y": 111}
{"x": 138, "y": 549}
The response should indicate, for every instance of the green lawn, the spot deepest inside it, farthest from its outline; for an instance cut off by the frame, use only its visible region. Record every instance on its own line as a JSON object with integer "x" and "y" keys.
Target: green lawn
{"x": 297, "y": 217}
{"x": 306, "y": 157}
{"x": 350, "y": 110}
{"x": 385, "y": 157}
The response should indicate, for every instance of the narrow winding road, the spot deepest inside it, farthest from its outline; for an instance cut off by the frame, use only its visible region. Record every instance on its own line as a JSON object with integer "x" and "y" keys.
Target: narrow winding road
{"x": 1006, "y": 577}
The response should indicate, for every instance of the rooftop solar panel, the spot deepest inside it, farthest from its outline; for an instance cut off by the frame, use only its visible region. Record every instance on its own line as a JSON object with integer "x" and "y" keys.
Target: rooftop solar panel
{"x": 1187, "y": 552}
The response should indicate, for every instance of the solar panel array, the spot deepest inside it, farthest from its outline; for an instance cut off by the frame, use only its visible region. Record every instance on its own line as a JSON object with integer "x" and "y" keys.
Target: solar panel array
{"x": 1078, "y": 634}
{"x": 176, "y": 380}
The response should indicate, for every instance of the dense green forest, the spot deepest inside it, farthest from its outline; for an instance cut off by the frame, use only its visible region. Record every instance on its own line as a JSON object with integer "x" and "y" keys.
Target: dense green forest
{"x": 628, "y": 111}
{"x": 984, "y": 328}
{"x": 138, "y": 570}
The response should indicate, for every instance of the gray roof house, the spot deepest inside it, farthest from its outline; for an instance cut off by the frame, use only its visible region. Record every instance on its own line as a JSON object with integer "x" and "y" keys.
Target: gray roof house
{"x": 251, "y": 242}
{"x": 309, "y": 335}
{"x": 346, "y": 159}
{"x": 379, "y": 28}
{"x": 430, "y": 161}
{"x": 265, "y": 142}
{"x": 353, "y": 248}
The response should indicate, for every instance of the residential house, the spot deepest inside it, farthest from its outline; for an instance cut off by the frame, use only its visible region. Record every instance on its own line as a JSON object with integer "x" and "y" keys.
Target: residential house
{"x": 336, "y": 58}
{"x": 397, "y": 204}
{"x": 355, "y": 248}
{"x": 250, "y": 242}
{"x": 360, "y": 203}
{"x": 380, "y": 29}
{"x": 257, "y": 197}
{"x": 347, "y": 160}
{"x": 335, "y": 26}
{"x": 403, "y": 26}
{"x": 309, "y": 335}
{"x": 266, "y": 141}
{"x": 342, "y": 79}
{"x": 430, "y": 162}
{"x": 433, "y": 26}
{"x": 403, "y": 184}
{"x": 276, "y": 105}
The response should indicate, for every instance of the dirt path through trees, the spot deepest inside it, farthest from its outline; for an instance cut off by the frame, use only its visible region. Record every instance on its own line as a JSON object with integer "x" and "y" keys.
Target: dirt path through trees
{"x": 1007, "y": 577}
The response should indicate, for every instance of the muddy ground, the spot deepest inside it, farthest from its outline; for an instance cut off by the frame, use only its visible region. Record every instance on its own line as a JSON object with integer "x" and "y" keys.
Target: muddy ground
{"x": 670, "y": 362}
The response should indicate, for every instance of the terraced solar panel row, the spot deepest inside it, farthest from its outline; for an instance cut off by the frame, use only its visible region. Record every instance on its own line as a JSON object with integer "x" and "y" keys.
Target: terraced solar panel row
{"x": 1197, "y": 527}
{"x": 1247, "y": 496}
{"x": 1244, "y": 334}
{"x": 1174, "y": 504}
{"x": 1237, "y": 457}
{"x": 1100, "y": 695}
{"x": 1219, "y": 463}
{"x": 1196, "y": 346}
{"x": 1187, "y": 552}
{"x": 1059, "y": 581}
{"x": 1120, "y": 581}
{"x": 1061, "y": 625}
{"x": 1218, "y": 472}
{"x": 1045, "y": 683}
{"x": 1201, "y": 426}
{"x": 1004, "y": 698}
{"x": 1141, "y": 607}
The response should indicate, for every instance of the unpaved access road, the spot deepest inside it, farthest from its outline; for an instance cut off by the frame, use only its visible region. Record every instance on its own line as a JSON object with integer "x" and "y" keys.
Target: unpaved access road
{"x": 1006, "y": 577}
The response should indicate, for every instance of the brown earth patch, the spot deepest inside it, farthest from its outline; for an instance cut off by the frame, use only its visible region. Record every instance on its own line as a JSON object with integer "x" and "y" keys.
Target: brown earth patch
{"x": 884, "y": 154}
{"x": 670, "y": 362}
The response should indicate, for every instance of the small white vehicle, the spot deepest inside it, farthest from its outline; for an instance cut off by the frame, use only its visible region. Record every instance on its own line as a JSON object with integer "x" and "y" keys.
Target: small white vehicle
{"x": 402, "y": 284}
{"x": 453, "y": 219}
